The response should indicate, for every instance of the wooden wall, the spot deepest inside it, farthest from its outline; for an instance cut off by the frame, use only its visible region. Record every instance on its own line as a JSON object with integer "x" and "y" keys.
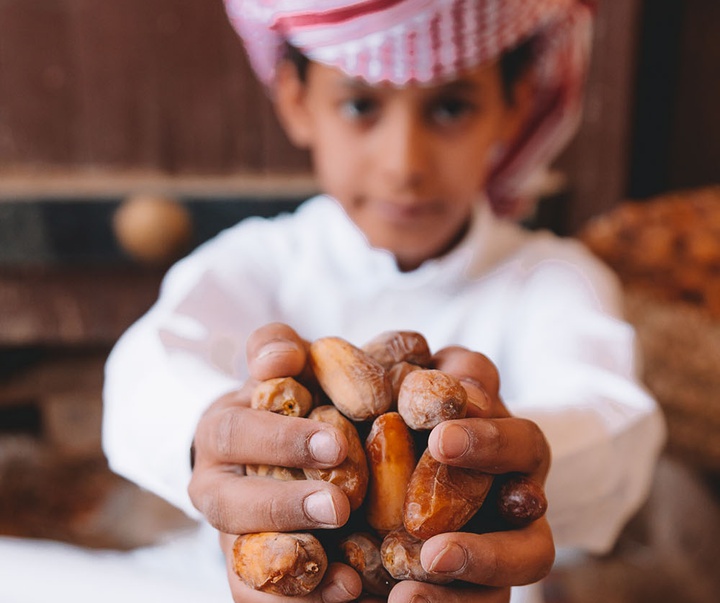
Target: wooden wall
{"x": 676, "y": 119}
{"x": 694, "y": 150}
{"x": 162, "y": 86}
{"x": 150, "y": 84}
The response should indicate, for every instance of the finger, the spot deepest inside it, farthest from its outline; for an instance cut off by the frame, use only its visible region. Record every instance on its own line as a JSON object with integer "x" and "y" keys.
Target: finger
{"x": 479, "y": 376}
{"x": 480, "y": 404}
{"x": 340, "y": 584}
{"x": 493, "y": 445}
{"x": 409, "y": 591}
{"x": 238, "y": 435}
{"x": 238, "y": 397}
{"x": 240, "y": 504}
{"x": 513, "y": 557}
{"x": 275, "y": 350}
{"x": 463, "y": 362}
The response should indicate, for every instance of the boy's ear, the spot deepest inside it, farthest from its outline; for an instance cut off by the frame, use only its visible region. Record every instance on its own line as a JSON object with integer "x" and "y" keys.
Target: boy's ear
{"x": 290, "y": 105}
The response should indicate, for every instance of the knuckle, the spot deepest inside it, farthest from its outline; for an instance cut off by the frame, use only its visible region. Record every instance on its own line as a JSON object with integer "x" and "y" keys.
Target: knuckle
{"x": 228, "y": 431}
{"x": 478, "y": 360}
{"x": 540, "y": 449}
{"x": 497, "y": 439}
{"x": 544, "y": 568}
{"x": 489, "y": 568}
{"x": 278, "y": 514}
{"x": 472, "y": 366}
{"x": 195, "y": 492}
{"x": 543, "y": 564}
{"x": 211, "y": 510}
{"x": 214, "y": 509}
{"x": 486, "y": 373}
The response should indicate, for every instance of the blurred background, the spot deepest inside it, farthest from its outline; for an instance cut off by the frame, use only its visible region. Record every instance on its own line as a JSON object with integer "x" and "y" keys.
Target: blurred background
{"x": 130, "y": 132}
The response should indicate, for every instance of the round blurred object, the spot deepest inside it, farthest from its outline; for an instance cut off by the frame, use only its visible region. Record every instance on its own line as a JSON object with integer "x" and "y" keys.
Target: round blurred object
{"x": 153, "y": 229}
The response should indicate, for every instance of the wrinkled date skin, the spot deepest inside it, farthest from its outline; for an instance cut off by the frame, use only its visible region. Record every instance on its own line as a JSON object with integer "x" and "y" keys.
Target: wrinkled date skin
{"x": 357, "y": 385}
{"x": 428, "y": 397}
{"x": 400, "y": 554}
{"x": 352, "y": 475}
{"x": 285, "y": 474}
{"x": 282, "y": 395}
{"x": 397, "y": 373}
{"x": 361, "y": 551}
{"x": 391, "y": 461}
{"x": 280, "y": 563}
{"x": 392, "y": 347}
{"x": 521, "y": 501}
{"x": 442, "y": 498}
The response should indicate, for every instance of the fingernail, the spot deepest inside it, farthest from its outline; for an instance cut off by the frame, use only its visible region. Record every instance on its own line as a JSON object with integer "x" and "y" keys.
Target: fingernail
{"x": 320, "y": 507}
{"x": 279, "y": 347}
{"x": 419, "y": 599}
{"x": 477, "y": 396}
{"x": 337, "y": 592}
{"x": 323, "y": 447}
{"x": 449, "y": 560}
{"x": 454, "y": 441}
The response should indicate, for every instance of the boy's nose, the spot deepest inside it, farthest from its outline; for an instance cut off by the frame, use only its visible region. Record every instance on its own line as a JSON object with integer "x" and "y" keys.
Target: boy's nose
{"x": 403, "y": 152}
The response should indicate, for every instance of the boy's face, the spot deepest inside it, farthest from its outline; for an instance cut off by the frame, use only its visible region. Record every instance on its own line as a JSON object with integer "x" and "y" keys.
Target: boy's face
{"x": 407, "y": 164}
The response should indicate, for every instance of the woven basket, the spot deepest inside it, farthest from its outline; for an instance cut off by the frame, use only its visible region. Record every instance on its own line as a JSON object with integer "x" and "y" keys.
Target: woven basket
{"x": 667, "y": 253}
{"x": 681, "y": 367}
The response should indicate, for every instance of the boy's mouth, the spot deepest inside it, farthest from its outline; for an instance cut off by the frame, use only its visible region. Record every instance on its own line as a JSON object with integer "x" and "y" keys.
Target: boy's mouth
{"x": 407, "y": 212}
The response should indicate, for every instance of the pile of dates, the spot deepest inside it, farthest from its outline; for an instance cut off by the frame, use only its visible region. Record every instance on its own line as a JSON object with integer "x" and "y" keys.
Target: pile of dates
{"x": 385, "y": 398}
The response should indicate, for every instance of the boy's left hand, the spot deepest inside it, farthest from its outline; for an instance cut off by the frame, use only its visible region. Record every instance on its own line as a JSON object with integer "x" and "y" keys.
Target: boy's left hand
{"x": 490, "y": 440}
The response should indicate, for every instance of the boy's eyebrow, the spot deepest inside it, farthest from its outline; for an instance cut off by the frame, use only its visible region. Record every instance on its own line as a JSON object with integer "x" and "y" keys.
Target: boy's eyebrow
{"x": 460, "y": 85}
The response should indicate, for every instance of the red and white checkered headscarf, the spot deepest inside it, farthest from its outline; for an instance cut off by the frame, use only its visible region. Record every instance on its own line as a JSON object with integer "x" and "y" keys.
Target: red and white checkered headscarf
{"x": 427, "y": 41}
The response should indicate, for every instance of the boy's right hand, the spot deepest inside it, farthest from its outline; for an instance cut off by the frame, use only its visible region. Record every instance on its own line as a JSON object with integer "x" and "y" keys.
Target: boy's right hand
{"x": 231, "y": 434}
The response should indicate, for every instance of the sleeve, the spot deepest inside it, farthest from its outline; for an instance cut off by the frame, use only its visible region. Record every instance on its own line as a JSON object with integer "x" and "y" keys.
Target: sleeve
{"x": 187, "y": 351}
{"x": 572, "y": 368}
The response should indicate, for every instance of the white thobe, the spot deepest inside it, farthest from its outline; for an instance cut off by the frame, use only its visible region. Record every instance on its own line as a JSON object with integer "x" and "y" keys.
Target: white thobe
{"x": 542, "y": 308}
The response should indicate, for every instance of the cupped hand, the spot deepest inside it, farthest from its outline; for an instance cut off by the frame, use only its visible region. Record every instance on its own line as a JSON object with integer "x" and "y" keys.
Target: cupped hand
{"x": 231, "y": 435}
{"x": 340, "y": 584}
{"x": 489, "y": 440}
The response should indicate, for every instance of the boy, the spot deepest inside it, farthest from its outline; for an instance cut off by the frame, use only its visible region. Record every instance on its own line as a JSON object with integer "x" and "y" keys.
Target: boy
{"x": 420, "y": 123}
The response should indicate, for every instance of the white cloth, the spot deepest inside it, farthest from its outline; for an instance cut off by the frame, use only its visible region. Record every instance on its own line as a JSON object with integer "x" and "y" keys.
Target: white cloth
{"x": 541, "y": 308}
{"x": 187, "y": 569}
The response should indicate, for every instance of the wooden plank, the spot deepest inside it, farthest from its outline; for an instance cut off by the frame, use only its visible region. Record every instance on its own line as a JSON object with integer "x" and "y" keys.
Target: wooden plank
{"x": 193, "y": 127}
{"x": 143, "y": 84}
{"x": 72, "y": 305}
{"x": 95, "y": 185}
{"x": 119, "y": 112}
{"x": 54, "y": 373}
{"x": 596, "y": 162}
{"x": 38, "y": 103}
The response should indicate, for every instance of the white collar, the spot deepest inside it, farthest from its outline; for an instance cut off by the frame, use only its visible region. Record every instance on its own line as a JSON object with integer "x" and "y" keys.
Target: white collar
{"x": 487, "y": 241}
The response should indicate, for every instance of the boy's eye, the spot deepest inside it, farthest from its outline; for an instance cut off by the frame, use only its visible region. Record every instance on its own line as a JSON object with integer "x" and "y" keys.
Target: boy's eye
{"x": 450, "y": 110}
{"x": 359, "y": 108}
